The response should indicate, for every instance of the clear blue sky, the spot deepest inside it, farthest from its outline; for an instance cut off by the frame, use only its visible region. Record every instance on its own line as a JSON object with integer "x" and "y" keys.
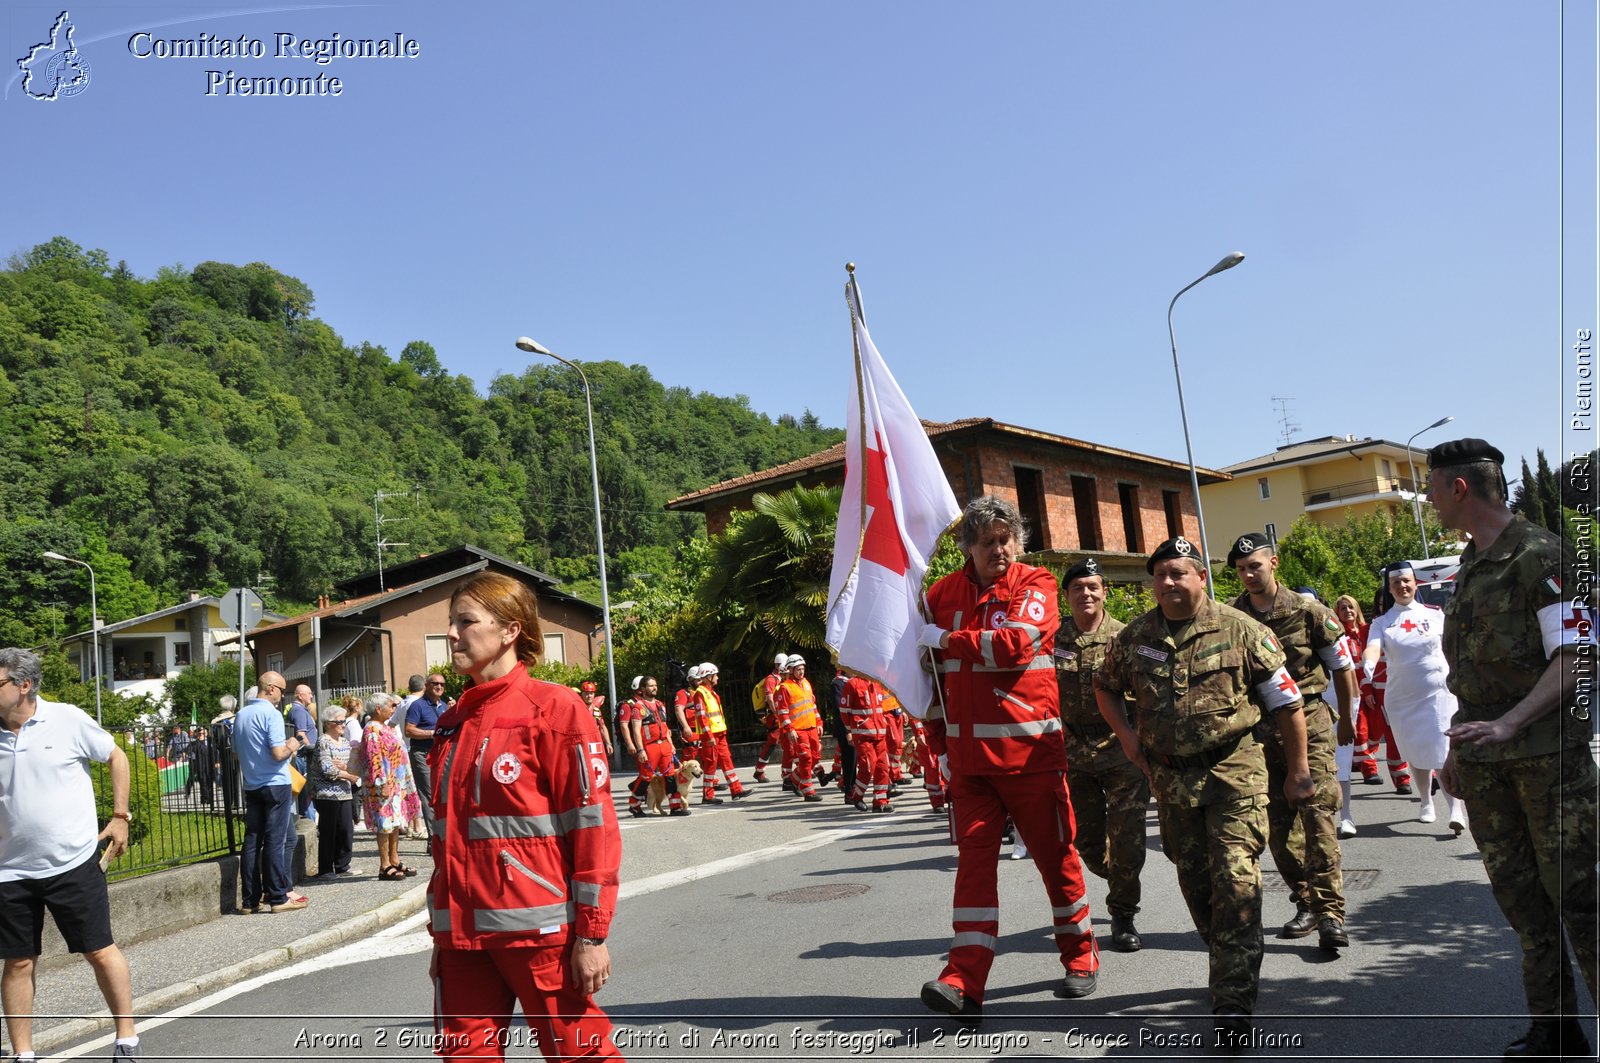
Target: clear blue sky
{"x": 1024, "y": 187}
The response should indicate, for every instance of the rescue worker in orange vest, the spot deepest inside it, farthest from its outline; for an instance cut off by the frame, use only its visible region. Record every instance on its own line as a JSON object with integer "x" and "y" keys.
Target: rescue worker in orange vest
{"x": 861, "y": 708}
{"x": 597, "y": 705}
{"x": 714, "y": 752}
{"x": 798, "y": 719}
{"x": 645, "y": 727}
{"x": 767, "y": 712}
{"x": 993, "y": 625}
{"x": 683, "y": 708}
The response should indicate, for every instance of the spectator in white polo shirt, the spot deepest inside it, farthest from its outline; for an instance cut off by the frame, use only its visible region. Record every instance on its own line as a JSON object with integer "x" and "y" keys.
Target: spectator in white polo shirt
{"x": 48, "y": 841}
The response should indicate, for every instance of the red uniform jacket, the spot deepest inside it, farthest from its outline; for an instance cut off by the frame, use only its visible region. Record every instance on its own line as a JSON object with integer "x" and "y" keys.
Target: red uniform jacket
{"x": 526, "y": 846}
{"x": 1002, "y": 707}
{"x": 861, "y": 708}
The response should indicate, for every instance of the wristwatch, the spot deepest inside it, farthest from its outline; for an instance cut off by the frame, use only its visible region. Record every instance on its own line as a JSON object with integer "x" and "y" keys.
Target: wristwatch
{"x": 592, "y": 941}
{"x": 126, "y": 817}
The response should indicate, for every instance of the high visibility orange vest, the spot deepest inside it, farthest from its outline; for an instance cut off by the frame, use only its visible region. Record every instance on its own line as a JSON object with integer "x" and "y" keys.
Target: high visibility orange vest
{"x": 691, "y": 714}
{"x": 802, "y": 704}
{"x": 710, "y": 710}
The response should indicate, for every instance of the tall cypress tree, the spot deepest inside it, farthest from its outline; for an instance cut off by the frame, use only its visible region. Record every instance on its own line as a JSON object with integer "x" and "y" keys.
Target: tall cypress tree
{"x": 1549, "y": 494}
{"x": 1527, "y": 500}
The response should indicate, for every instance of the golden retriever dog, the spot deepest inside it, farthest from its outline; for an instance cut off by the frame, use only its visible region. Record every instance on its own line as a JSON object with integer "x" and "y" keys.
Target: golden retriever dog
{"x": 908, "y": 754}
{"x": 685, "y": 778}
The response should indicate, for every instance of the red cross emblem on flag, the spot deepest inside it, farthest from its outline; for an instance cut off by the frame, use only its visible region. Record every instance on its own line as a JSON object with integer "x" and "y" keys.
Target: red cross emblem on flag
{"x": 1579, "y": 621}
{"x": 881, "y": 543}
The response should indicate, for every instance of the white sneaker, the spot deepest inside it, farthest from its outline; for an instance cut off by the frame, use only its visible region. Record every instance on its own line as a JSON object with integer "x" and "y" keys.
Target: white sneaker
{"x": 1427, "y": 815}
{"x": 1019, "y": 851}
{"x": 1347, "y": 828}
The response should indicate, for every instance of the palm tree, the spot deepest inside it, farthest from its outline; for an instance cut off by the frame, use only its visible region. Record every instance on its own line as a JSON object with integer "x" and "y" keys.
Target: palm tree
{"x": 769, "y": 572}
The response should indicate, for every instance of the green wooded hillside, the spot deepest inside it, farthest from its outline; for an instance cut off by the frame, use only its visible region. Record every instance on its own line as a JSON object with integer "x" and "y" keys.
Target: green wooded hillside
{"x": 202, "y": 429}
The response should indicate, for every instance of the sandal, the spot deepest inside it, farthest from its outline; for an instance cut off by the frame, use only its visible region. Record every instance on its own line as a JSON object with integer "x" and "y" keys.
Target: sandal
{"x": 407, "y": 872}
{"x": 392, "y": 873}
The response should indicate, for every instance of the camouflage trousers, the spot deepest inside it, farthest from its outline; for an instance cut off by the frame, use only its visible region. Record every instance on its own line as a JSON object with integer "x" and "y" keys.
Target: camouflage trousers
{"x": 1305, "y": 840}
{"x": 1534, "y": 821}
{"x": 1217, "y": 851}
{"x": 1109, "y": 799}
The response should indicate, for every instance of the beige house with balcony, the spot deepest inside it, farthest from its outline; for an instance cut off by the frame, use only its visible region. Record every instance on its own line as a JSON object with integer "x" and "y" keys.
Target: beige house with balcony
{"x": 1329, "y": 480}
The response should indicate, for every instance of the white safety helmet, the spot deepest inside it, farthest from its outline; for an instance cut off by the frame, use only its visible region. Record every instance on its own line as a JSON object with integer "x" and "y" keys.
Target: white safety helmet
{"x": 781, "y": 661}
{"x": 794, "y": 661}
{"x": 694, "y": 673}
{"x": 638, "y": 681}
{"x": 708, "y": 669}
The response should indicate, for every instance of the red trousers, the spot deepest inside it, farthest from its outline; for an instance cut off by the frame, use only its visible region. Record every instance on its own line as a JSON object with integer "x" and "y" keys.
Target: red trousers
{"x": 872, "y": 770}
{"x": 1041, "y": 809}
{"x": 895, "y": 744}
{"x": 807, "y": 755}
{"x": 1372, "y": 730}
{"x": 659, "y": 764}
{"x": 775, "y": 740}
{"x": 932, "y": 781}
{"x": 715, "y": 754}
{"x": 475, "y": 989}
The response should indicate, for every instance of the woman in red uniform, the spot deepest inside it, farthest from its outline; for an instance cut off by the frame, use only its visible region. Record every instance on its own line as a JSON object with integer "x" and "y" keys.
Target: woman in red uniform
{"x": 994, "y": 626}
{"x": 526, "y": 849}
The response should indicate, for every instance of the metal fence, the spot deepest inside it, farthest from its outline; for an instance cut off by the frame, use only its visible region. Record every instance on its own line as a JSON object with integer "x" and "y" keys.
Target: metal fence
{"x": 184, "y": 795}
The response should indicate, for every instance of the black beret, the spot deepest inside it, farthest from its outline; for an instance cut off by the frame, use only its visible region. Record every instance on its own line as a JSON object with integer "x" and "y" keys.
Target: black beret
{"x": 1174, "y": 547}
{"x": 1087, "y": 567}
{"x": 1247, "y": 544}
{"x": 1463, "y": 452}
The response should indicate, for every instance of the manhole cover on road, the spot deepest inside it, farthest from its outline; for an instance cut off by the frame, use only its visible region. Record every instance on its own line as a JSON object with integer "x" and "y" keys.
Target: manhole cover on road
{"x": 833, "y": 891}
{"x": 1355, "y": 878}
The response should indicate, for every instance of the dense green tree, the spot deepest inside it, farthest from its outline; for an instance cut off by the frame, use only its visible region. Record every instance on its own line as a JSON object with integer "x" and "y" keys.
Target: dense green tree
{"x": 1549, "y": 494}
{"x": 1526, "y": 499}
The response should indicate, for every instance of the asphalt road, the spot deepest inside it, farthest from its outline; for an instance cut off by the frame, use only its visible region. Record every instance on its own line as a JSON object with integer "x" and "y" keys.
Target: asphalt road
{"x": 777, "y": 930}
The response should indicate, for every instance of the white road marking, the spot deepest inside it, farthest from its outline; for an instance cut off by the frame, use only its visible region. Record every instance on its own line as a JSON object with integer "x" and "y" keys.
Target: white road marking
{"x": 410, "y": 935}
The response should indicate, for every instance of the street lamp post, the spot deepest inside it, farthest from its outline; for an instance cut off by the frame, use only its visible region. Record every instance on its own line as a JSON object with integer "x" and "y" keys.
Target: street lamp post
{"x": 1416, "y": 498}
{"x": 94, "y": 620}
{"x": 1233, "y": 258}
{"x": 530, "y": 346}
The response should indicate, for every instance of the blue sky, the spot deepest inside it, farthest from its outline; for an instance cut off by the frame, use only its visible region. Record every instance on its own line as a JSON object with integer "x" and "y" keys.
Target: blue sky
{"x": 1024, "y": 187}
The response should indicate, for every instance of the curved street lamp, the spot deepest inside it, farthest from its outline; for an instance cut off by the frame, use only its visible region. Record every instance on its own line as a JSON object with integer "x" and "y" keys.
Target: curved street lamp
{"x": 1416, "y": 495}
{"x": 533, "y": 347}
{"x": 94, "y": 620}
{"x": 1230, "y": 260}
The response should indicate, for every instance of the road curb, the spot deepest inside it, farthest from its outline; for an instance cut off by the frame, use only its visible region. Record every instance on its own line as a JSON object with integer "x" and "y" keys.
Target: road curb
{"x": 179, "y": 993}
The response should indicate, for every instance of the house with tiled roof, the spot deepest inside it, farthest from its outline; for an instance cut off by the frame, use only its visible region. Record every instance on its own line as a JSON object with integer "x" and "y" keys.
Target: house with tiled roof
{"x": 1077, "y": 498}
{"x": 392, "y": 624}
{"x": 1329, "y": 479}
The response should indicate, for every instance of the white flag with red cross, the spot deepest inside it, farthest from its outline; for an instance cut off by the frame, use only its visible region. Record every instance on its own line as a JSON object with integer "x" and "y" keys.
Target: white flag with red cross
{"x": 896, "y": 503}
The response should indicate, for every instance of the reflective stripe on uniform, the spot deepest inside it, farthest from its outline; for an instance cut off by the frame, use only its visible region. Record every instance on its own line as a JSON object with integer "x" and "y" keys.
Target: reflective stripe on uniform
{"x": 975, "y": 915}
{"x": 1015, "y": 730}
{"x": 548, "y": 826}
{"x": 1070, "y": 911}
{"x": 973, "y": 937}
{"x": 586, "y": 893}
{"x": 986, "y": 645}
{"x": 1033, "y": 632}
{"x": 543, "y": 917}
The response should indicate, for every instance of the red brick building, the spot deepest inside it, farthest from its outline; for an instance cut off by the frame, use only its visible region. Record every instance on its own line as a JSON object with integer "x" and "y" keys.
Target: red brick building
{"x": 1076, "y": 498}
{"x": 378, "y": 638}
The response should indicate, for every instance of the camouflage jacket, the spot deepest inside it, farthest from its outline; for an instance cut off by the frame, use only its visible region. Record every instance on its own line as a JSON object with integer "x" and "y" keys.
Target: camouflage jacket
{"x": 1493, "y": 643}
{"x": 1197, "y": 697}
{"x": 1078, "y": 655}
{"x": 1304, "y": 628}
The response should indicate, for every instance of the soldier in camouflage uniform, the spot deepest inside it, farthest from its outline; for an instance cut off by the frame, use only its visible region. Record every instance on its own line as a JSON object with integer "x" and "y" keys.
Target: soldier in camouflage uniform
{"x": 1200, "y": 674}
{"x": 1109, "y": 794}
{"x": 1304, "y": 841}
{"x": 1519, "y": 639}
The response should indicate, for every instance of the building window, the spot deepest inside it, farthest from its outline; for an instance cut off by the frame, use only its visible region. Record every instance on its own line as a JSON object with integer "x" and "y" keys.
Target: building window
{"x": 1170, "y": 502}
{"x": 555, "y": 648}
{"x": 1088, "y": 509}
{"x": 436, "y": 650}
{"x": 355, "y": 666}
{"x": 274, "y": 662}
{"x": 1272, "y": 533}
{"x": 180, "y": 654}
{"x": 1264, "y": 487}
{"x": 1030, "y": 503}
{"x": 180, "y": 624}
{"x": 1388, "y": 470}
{"x": 1132, "y": 531}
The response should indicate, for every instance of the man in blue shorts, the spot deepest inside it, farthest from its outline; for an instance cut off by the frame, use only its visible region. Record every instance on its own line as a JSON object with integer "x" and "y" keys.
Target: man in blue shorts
{"x": 49, "y": 837}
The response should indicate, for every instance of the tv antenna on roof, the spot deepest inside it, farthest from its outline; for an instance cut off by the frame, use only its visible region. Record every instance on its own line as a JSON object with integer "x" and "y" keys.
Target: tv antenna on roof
{"x": 1286, "y": 428}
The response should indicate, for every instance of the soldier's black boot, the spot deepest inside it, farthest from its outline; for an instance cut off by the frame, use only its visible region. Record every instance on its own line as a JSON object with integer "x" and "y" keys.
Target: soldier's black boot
{"x": 1551, "y": 1038}
{"x": 1124, "y": 935}
{"x": 1331, "y": 934}
{"x": 1301, "y": 925}
{"x": 1230, "y": 1032}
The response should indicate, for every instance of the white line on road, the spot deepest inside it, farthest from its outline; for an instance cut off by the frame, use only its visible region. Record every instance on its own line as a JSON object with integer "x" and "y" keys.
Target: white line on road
{"x": 404, "y": 938}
